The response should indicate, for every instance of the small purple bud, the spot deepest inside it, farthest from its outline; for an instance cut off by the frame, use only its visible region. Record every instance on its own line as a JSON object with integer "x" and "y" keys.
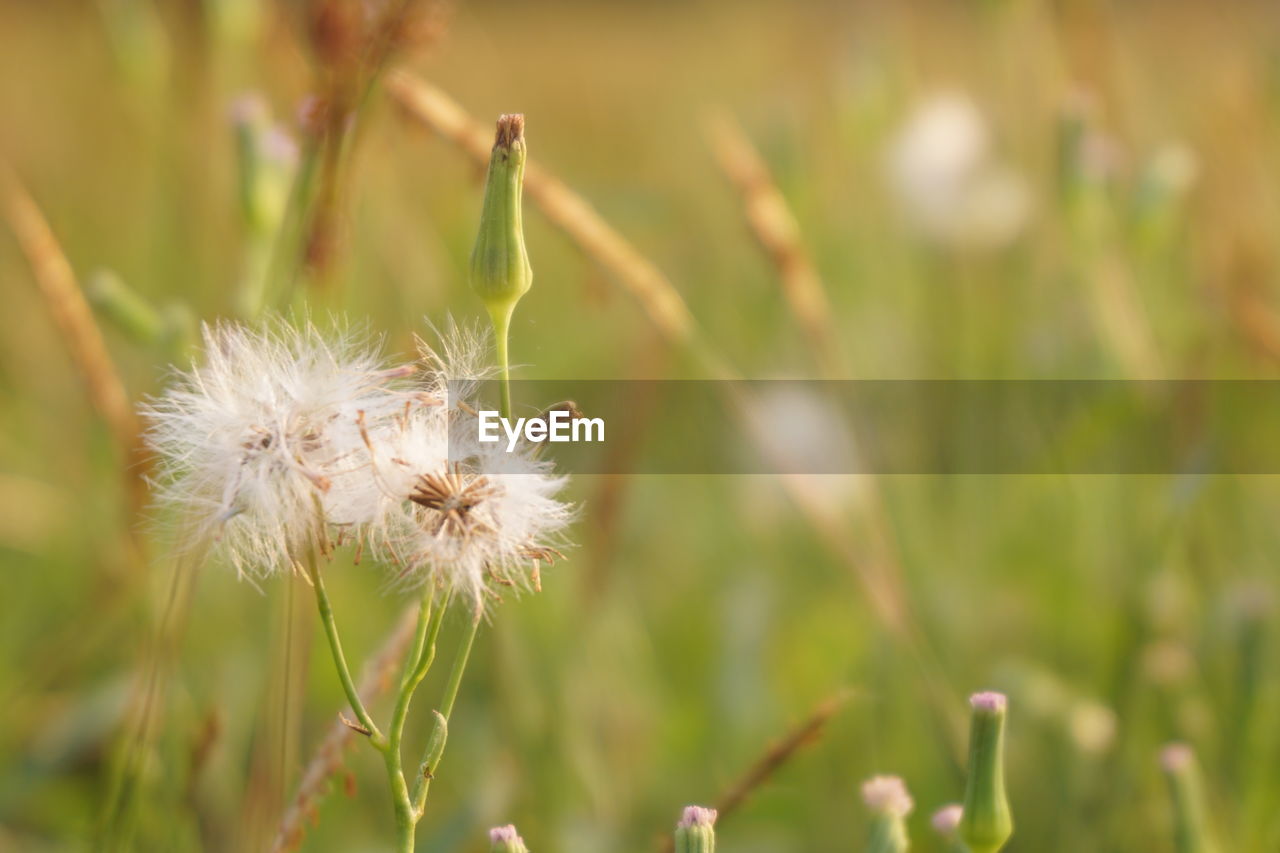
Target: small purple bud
{"x": 946, "y": 820}
{"x": 697, "y": 816}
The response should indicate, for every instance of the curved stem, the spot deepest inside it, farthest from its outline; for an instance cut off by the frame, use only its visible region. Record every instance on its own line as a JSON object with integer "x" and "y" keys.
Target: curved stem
{"x": 417, "y": 662}
{"x": 339, "y": 660}
{"x": 446, "y": 707}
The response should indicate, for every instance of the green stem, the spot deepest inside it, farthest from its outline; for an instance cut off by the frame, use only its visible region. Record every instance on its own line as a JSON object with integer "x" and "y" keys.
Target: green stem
{"x": 446, "y": 708}
{"x": 339, "y": 660}
{"x": 501, "y": 318}
{"x": 417, "y": 662}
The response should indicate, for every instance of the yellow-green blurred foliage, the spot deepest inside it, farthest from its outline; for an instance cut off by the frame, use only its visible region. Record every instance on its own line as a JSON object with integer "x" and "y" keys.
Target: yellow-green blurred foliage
{"x": 700, "y": 617}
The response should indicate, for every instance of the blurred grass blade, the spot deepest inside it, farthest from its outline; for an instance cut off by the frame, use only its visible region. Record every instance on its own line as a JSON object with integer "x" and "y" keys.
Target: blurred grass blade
{"x": 775, "y": 228}
{"x": 74, "y": 319}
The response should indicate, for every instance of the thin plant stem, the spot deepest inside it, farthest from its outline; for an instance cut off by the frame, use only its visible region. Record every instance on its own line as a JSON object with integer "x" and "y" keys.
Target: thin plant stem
{"x": 339, "y": 660}
{"x": 446, "y": 707}
{"x": 502, "y": 331}
{"x": 417, "y": 663}
{"x": 328, "y": 757}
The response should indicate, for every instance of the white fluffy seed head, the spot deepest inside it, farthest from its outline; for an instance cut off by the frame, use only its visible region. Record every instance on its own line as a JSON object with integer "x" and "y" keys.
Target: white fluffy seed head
{"x": 461, "y": 514}
{"x": 288, "y": 440}
{"x": 260, "y": 446}
{"x": 451, "y": 511}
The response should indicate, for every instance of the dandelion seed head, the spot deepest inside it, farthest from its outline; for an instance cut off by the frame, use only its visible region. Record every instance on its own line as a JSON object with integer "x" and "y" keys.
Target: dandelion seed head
{"x": 289, "y": 441}
{"x": 455, "y": 512}
{"x": 260, "y": 446}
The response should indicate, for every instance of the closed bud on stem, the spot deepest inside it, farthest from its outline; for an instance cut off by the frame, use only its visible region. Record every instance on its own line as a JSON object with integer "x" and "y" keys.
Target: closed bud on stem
{"x": 500, "y": 271}
{"x": 986, "y": 822}
{"x": 266, "y": 157}
{"x": 435, "y": 746}
{"x": 696, "y": 831}
{"x": 1191, "y": 830}
{"x": 505, "y": 839}
{"x": 890, "y": 803}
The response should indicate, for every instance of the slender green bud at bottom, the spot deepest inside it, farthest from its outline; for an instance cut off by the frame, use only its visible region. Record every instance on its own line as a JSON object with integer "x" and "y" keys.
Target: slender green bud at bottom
{"x": 890, "y": 803}
{"x": 1186, "y": 789}
{"x": 986, "y": 821}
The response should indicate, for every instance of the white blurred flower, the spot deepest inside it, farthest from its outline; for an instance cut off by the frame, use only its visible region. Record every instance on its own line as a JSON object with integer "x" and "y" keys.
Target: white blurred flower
{"x": 950, "y": 185}
{"x": 1093, "y": 726}
{"x": 257, "y": 446}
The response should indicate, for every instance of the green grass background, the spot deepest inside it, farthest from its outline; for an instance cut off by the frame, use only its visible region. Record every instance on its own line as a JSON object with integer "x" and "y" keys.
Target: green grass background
{"x": 679, "y": 640}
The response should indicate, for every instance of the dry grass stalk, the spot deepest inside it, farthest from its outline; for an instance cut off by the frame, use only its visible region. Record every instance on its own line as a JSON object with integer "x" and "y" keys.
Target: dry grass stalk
{"x": 1241, "y": 274}
{"x": 1122, "y": 319}
{"x": 774, "y": 226}
{"x": 772, "y": 760}
{"x": 871, "y": 559}
{"x": 70, "y": 311}
{"x": 352, "y": 49}
{"x": 327, "y": 760}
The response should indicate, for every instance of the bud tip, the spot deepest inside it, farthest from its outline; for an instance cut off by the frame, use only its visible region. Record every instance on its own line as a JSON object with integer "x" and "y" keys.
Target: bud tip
{"x": 510, "y": 130}
{"x": 1175, "y": 757}
{"x": 989, "y": 701}
{"x": 500, "y": 834}
{"x": 697, "y": 816}
{"x": 887, "y": 794}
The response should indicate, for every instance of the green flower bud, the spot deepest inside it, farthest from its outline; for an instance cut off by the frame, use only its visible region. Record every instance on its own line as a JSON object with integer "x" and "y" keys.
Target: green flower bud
{"x": 435, "y": 746}
{"x": 696, "y": 831}
{"x": 267, "y": 158}
{"x": 505, "y": 839}
{"x": 500, "y": 271}
{"x": 890, "y": 803}
{"x": 1186, "y": 789}
{"x": 986, "y": 822}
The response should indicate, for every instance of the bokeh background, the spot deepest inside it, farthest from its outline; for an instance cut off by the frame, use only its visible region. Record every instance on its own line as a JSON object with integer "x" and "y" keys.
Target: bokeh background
{"x": 1020, "y": 189}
